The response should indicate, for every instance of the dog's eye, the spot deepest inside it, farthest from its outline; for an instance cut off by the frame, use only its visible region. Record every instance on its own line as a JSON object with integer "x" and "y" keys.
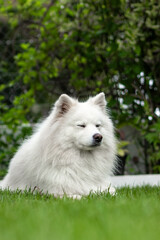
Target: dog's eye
{"x": 98, "y": 125}
{"x": 81, "y": 125}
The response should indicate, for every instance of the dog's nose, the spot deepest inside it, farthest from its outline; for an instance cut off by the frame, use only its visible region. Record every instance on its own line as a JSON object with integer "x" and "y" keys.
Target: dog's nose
{"x": 97, "y": 137}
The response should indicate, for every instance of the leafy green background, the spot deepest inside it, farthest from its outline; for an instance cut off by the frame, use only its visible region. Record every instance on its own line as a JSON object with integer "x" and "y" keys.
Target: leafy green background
{"x": 80, "y": 48}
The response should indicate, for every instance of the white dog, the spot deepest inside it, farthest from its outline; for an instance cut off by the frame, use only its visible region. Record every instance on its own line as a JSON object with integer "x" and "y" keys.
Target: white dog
{"x": 72, "y": 151}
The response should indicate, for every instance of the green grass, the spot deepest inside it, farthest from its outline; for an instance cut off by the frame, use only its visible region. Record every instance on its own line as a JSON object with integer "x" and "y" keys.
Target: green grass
{"x": 131, "y": 214}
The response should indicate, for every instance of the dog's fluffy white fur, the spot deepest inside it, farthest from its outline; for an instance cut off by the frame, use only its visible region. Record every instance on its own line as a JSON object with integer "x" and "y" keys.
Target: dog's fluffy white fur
{"x": 62, "y": 156}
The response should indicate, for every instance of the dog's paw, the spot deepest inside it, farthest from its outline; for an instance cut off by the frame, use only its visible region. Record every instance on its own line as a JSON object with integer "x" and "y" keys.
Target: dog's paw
{"x": 104, "y": 189}
{"x": 112, "y": 191}
{"x": 74, "y": 196}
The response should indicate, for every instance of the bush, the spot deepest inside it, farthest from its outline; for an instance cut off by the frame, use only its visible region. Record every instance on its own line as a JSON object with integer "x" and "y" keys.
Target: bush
{"x": 81, "y": 48}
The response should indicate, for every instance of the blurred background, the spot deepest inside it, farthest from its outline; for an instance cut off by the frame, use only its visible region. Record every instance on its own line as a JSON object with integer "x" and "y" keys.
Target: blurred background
{"x": 82, "y": 48}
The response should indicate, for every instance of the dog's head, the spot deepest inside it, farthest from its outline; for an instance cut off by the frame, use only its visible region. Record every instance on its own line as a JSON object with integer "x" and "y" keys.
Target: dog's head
{"x": 84, "y": 124}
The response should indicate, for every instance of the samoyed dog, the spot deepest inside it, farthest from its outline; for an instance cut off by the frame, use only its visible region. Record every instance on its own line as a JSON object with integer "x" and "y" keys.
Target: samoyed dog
{"x": 72, "y": 152}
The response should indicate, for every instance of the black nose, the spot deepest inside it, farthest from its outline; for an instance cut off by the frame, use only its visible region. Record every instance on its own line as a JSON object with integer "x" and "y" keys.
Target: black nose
{"x": 97, "y": 137}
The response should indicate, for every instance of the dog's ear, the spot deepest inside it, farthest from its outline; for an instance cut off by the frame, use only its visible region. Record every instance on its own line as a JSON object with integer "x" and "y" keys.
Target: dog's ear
{"x": 63, "y": 104}
{"x": 100, "y": 100}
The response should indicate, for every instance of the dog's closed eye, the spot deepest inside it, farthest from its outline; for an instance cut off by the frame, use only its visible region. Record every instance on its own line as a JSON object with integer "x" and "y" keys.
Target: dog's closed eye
{"x": 81, "y": 125}
{"x": 98, "y": 125}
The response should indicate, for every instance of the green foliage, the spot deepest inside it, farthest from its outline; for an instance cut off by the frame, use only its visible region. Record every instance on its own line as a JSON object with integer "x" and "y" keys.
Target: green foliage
{"x": 11, "y": 138}
{"x": 122, "y": 148}
{"x": 81, "y": 48}
{"x": 153, "y": 138}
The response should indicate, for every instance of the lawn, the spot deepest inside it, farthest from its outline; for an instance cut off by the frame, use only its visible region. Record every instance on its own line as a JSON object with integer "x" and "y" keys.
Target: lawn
{"x": 131, "y": 214}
